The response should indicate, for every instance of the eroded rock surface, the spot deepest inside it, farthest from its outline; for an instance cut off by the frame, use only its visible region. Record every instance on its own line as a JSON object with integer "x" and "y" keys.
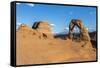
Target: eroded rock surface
{"x": 35, "y": 46}
{"x": 43, "y": 28}
{"x": 84, "y": 36}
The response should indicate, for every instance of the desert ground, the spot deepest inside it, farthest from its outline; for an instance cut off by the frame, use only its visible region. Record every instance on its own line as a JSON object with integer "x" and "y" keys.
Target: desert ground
{"x": 36, "y": 46}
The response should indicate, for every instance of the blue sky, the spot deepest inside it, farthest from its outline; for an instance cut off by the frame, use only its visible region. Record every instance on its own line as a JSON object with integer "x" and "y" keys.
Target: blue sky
{"x": 57, "y": 16}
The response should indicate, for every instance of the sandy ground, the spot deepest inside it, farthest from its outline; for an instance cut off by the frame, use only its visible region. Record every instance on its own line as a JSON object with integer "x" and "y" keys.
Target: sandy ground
{"x": 31, "y": 49}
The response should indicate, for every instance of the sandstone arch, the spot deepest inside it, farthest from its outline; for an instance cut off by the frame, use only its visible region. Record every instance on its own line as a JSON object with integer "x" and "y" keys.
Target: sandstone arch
{"x": 84, "y": 36}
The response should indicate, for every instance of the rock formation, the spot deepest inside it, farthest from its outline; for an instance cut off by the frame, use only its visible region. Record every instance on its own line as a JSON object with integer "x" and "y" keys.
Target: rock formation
{"x": 23, "y": 27}
{"x": 43, "y": 28}
{"x": 35, "y": 46}
{"x": 84, "y": 36}
{"x": 40, "y": 29}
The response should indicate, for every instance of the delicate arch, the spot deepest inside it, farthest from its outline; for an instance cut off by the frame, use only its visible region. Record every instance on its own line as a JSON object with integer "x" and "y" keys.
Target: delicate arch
{"x": 83, "y": 32}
